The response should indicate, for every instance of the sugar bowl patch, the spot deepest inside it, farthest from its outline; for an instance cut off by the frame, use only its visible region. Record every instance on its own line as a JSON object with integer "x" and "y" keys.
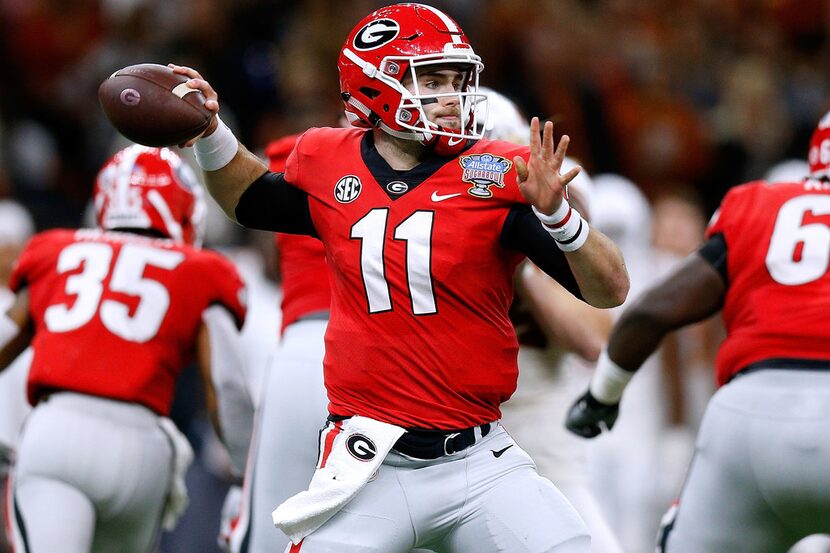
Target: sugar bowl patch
{"x": 484, "y": 171}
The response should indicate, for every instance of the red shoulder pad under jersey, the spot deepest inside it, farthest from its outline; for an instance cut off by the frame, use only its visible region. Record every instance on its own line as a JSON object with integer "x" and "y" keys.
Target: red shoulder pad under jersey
{"x": 225, "y": 282}
{"x": 278, "y": 152}
{"x": 419, "y": 333}
{"x": 736, "y": 201}
{"x": 116, "y": 315}
{"x": 302, "y": 259}
{"x": 320, "y": 143}
{"x": 36, "y": 258}
{"x": 778, "y": 255}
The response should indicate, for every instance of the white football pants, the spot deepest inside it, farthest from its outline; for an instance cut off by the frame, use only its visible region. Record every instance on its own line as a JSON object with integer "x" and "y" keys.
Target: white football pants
{"x": 759, "y": 480}
{"x": 91, "y": 475}
{"x": 293, "y": 409}
{"x": 468, "y": 502}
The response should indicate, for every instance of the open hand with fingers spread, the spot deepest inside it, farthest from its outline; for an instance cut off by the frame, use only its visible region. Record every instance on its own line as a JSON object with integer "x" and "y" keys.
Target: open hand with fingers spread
{"x": 539, "y": 178}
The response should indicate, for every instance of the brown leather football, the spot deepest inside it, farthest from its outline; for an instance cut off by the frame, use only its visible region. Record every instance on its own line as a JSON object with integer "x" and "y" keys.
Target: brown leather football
{"x": 151, "y": 105}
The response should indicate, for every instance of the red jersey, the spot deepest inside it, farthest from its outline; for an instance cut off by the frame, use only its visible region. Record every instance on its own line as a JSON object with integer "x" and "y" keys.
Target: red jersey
{"x": 419, "y": 334}
{"x": 778, "y": 250}
{"x": 116, "y": 314}
{"x": 302, "y": 259}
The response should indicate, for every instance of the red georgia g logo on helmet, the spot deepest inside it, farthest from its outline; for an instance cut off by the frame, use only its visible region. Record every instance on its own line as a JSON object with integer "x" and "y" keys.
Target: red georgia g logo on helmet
{"x": 376, "y": 33}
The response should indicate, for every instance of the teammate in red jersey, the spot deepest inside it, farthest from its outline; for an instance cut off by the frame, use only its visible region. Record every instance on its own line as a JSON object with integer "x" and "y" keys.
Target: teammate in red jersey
{"x": 423, "y": 226}
{"x": 114, "y": 314}
{"x": 293, "y": 401}
{"x": 759, "y": 480}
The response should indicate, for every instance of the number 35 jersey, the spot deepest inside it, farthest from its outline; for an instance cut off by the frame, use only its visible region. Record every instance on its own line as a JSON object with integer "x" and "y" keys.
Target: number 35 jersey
{"x": 778, "y": 253}
{"x": 116, "y": 314}
{"x": 419, "y": 334}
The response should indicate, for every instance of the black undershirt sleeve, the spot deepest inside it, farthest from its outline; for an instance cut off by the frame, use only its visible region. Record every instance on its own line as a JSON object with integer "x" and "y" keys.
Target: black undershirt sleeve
{"x": 270, "y": 203}
{"x": 714, "y": 251}
{"x": 523, "y": 232}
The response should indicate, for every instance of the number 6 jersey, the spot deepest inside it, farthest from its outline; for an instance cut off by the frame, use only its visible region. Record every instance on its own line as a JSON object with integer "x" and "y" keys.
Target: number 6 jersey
{"x": 116, "y": 314}
{"x": 777, "y": 305}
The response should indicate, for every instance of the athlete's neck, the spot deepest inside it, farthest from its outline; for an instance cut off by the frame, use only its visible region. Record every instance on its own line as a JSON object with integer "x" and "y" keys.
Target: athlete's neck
{"x": 400, "y": 154}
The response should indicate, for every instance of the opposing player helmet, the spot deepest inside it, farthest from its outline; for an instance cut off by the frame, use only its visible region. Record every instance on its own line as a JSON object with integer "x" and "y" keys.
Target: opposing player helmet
{"x": 502, "y": 120}
{"x": 396, "y": 42}
{"x": 819, "y": 154}
{"x": 150, "y": 189}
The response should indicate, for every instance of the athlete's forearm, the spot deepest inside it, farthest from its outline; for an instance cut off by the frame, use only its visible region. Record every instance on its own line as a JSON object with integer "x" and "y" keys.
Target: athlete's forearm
{"x": 571, "y": 323}
{"x": 691, "y": 293}
{"x": 227, "y": 184}
{"x": 600, "y": 272}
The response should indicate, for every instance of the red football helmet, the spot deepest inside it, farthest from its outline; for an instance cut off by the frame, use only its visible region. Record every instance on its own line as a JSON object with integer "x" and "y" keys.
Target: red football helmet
{"x": 395, "y": 42}
{"x": 150, "y": 188}
{"x": 819, "y": 155}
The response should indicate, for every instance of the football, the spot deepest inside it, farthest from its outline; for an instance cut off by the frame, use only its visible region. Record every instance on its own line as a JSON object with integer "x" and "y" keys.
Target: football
{"x": 151, "y": 105}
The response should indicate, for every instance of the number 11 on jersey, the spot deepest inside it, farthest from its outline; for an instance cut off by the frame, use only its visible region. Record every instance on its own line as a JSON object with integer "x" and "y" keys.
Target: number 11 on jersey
{"x": 416, "y": 231}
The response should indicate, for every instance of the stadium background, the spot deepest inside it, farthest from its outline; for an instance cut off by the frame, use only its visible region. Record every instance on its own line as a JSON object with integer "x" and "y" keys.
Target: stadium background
{"x": 686, "y": 98}
{"x": 701, "y": 94}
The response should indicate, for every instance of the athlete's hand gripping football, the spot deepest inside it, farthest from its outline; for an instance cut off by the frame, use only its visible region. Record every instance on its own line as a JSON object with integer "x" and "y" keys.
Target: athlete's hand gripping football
{"x": 539, "y": 179}
{"x": 588, "y": 417}
{"x": 211, "y": 98}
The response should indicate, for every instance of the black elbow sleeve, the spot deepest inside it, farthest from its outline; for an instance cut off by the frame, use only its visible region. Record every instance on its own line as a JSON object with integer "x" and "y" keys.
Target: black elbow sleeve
{"x": 271, "y": 203}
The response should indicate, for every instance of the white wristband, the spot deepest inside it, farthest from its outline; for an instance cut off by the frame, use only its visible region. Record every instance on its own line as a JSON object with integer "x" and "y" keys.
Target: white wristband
{"x": 566, "y": 226}
{"x": 609, "y": 380}
{"x": 556, "y": 217}
{"x": 573, "y": 243}
{"x": 217, "y": 150}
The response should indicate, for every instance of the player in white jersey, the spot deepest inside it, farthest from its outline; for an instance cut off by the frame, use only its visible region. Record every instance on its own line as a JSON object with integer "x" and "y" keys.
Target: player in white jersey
{"x": 551, "y": 324}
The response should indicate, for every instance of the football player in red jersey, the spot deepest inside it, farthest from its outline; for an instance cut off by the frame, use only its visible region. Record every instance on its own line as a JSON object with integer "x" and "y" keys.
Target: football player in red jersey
{"x": 423, "y": 225}
{"x": 759, "y": 479}
{"x": 114, "y": 314}
{"x": 293, "y": 402}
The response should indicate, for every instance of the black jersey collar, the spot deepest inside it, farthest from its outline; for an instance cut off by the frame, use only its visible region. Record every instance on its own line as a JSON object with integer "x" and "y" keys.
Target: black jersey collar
{"x": 397, "y": 183}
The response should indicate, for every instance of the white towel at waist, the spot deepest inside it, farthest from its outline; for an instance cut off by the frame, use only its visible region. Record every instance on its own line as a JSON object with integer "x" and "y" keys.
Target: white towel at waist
{"x": 357, "y": 452}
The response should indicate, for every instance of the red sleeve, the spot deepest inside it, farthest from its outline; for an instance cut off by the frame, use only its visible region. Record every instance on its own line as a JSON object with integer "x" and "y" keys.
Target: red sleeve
{"x": 279, "y": 150}
{"x": 292, "y": 164}
{"x": 736, "y": 201}
{"x": 228, "y": 288}
{"x": 30, "y": 260}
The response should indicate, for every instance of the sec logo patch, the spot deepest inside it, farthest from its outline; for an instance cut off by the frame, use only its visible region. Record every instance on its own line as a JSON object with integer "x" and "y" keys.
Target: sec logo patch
{"x": 347, "y": 189}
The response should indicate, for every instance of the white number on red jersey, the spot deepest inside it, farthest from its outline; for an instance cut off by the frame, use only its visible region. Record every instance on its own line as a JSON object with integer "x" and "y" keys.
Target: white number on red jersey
{"x": 416, "y": 231}
{"x": 799, "y": 253}
{"x": 127, "y": 278}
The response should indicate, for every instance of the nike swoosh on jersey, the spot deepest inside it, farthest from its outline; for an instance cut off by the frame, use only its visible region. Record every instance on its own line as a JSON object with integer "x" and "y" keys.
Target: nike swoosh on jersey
{"x": 498, "y": 453}
{"x": 454, "y": 141}
{"x": 436, "y": 197}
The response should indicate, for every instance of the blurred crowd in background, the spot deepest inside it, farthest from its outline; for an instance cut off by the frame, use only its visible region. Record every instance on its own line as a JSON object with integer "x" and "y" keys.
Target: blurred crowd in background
{"x": 685, "y": 99}
{"x": 700, "y": 94}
